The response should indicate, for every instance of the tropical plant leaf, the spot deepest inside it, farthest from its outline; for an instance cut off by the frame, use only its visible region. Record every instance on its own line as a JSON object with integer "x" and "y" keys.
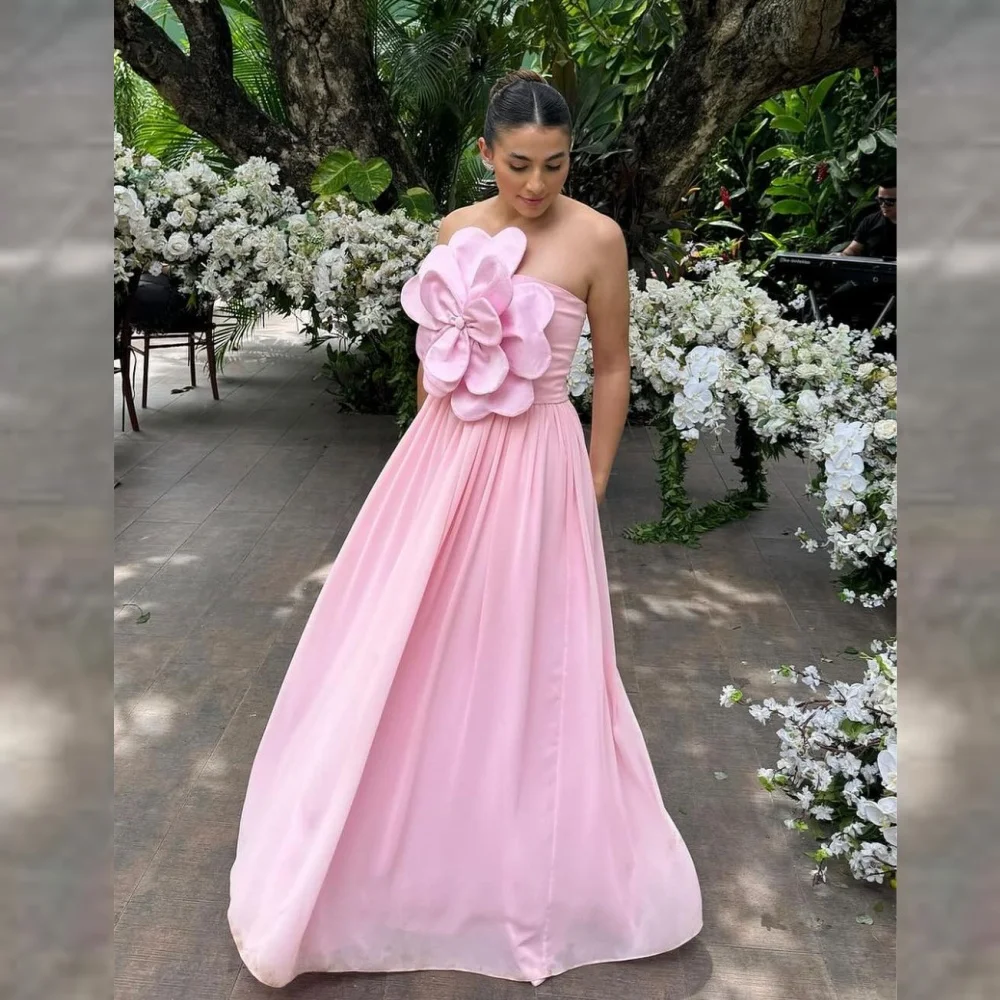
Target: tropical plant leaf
{"x": 791, "y": 206}
{"x": 333, "y": 173}
{"x": 418, "y": 202}
{"x": 867, "y": 144}
{"x": 366, "y": 181}
{"x": 819, "y": 92}
{"x": 782, "y": 152}
{"x": 792, "y": 190}
{"x": 786, "y": 123}
{"x": 887, "y": 136}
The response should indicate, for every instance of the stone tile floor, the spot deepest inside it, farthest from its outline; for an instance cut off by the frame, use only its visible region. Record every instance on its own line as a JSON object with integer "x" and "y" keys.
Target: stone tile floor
{"x": 228, "y": 516}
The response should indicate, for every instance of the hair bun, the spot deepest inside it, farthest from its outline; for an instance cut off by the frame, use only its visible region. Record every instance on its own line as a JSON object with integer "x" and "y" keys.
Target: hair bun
{"x": 513, "y": 77}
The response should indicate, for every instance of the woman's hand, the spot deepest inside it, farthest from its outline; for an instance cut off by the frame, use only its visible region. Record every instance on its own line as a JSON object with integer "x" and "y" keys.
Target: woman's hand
{"x": 600, "y": 488}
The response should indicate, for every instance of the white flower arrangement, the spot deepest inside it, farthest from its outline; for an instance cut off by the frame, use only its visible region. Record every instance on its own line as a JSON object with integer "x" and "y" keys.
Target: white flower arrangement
{"x": 700, "y": 348}
{"x": 705, "y": 348}
{"x": 837, "y": 761}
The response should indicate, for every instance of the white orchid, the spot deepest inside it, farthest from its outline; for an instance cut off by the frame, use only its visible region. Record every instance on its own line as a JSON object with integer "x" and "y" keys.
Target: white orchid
{"x": 837, "y": 760}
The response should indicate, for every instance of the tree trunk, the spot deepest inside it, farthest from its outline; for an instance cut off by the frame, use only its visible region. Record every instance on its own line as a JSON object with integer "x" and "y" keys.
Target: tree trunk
{"x": 324, "y": 58}
{"x": 325, "y": 65}
{"x": 734, "y": 56}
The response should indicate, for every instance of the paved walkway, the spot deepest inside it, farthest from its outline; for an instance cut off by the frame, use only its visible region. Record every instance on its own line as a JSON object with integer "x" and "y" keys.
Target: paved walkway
{"x": 228, "y": 516}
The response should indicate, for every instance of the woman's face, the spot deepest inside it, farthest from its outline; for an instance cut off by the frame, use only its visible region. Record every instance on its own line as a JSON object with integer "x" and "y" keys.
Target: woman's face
{"x": 530, "y": 163}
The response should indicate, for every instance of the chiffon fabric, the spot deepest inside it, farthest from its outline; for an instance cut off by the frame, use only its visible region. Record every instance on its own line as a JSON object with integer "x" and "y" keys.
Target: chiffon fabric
{"x": 452, "y": 776}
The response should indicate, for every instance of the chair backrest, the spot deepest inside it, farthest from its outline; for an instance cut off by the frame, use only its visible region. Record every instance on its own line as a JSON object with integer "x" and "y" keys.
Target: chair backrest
{"x": 158, "y": 306}
{"x": 124, "y": 294}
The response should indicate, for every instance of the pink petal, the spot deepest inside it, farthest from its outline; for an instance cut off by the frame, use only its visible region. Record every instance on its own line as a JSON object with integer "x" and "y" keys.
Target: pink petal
{"x": 492, "y": 282}
{"x": 448, "y": 357}
{"x": 487, "y": 369}
{"x": 509, "y": 245}
{"x": 442, "y": 259}
{"x": 482, "y": 322}
{"x": 409, "y": 298}
{"x": 468, "y": 244}
{"x": 524, "y": 322}
{"x": 435, "y": 387}
{"x": 440, "y": 297}
{"x": 426, "y": 335}
{"x": 512, "y": 398}
{"x": 468, "y": 407}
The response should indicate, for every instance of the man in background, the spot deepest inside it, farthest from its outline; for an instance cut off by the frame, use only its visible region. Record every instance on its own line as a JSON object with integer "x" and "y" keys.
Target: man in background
{"x": 876, "y": 233}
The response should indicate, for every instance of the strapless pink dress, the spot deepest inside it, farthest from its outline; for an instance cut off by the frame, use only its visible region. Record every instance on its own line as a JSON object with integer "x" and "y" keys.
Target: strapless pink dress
{"x": 452, "y": 776}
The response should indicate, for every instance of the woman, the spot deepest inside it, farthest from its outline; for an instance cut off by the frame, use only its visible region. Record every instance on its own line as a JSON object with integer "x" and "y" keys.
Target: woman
{"x": 452, "y": 776}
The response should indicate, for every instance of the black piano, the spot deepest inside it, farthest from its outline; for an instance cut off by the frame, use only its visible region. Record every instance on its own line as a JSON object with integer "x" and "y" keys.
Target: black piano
{"x": 859, "y": 291}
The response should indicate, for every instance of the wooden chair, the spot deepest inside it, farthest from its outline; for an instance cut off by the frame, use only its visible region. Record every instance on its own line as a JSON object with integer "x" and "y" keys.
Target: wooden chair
{"x": 124, "y": 363}
{"x": 161, "y": 317}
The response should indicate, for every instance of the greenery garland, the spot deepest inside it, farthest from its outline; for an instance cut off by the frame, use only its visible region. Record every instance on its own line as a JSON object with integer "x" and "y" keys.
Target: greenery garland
{"x": 680, "y": 521}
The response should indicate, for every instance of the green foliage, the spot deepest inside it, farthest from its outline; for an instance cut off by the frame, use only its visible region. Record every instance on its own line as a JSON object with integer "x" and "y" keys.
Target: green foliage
{"x": 341, "y": 170}
{"x": 680, "y": 521}
{"x": 801, "y": 168}
{"x": 379, "y": 375}
{"x": 418, "y": 203}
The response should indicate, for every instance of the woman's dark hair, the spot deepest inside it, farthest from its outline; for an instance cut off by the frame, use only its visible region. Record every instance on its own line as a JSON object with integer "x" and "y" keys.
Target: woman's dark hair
{"x": 524, "y": 98}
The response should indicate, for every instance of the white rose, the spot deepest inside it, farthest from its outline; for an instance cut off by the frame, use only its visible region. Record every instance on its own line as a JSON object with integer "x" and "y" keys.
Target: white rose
{"x": 174, "y": 219}
{"x": 760, "y": 388}
{"x": 885, "y": 430}
{"x": 889, "y": 384}
{"x": 808, "y": 403}
{"x": 178, "y": 247}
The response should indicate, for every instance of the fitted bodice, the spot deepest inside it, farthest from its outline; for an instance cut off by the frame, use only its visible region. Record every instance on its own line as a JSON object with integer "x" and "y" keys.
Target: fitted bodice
{"x": 563, "y": 334}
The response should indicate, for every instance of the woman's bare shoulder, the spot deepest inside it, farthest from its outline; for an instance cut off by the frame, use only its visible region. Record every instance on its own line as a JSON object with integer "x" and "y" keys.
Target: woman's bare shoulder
{"x": 468, "y": 215}
{"x": 586, "y": 220}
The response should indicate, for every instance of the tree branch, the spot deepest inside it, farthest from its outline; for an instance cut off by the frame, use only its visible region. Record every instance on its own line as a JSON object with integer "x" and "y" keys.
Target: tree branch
{"x": 200, "y": 87}
{"x": 325, "y": 63}
{"x": 734, "y": 55}
{"x": 145, "y": 46}
{"x": 208, "y": 32}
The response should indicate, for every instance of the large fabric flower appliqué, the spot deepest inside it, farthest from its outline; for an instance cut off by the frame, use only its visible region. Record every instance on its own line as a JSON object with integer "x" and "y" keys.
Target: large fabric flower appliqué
{"x": 480, "y": 335}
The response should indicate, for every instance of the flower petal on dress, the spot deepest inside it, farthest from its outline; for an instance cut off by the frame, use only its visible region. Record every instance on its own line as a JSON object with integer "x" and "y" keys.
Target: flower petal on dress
{"x": 426, "y": 335}
{"x": 440, "y": 296}
{"x": 492, "y": 282}
{"x": 524, "y": 322}
{"x": 488, "y": 367}
{"x": 482, "y": 322}
{"x": 467, "y": 406}
{"x": 469, "y": 244}
{"x": 509, "y": 245}
{"x": 448, "y": 357}
{"x": 435, "y": 387}
{"x": 513, "y": 398}
{"x": 409, "y": 298}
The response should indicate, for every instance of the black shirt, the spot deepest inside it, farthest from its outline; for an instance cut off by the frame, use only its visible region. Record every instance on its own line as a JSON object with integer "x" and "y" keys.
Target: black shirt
{"x": 877, "y": 235}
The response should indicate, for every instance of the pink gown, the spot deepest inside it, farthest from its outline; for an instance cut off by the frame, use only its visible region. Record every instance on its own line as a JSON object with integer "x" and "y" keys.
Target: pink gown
{"x": 452, "y": 776}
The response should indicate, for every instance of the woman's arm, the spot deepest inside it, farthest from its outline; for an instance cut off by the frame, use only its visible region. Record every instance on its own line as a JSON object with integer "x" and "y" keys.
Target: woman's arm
{"x": 608, "y": 313}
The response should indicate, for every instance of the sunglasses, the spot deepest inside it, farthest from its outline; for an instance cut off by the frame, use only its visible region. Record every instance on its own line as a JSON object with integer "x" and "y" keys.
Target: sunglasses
{"x": 886, "y": 201}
